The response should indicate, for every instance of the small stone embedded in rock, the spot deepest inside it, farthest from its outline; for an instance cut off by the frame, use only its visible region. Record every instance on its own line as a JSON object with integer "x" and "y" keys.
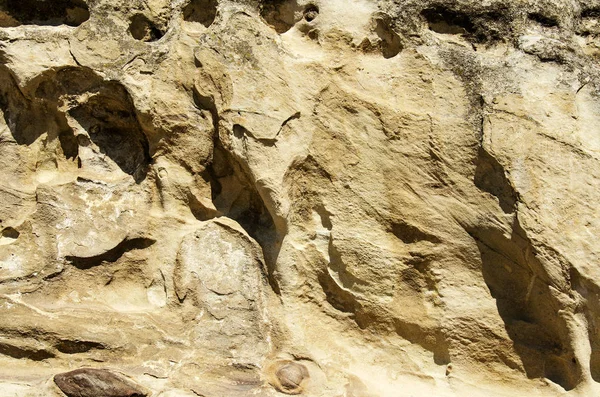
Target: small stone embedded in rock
{"x": 90, "y": 382}
{"x": 290, "y": 377}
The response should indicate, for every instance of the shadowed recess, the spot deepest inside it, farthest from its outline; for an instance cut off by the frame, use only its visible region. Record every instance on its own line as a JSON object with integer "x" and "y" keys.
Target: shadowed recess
{"x": 112, "y": 255}
{"x": 77, "y": 346}
{"x": 489, "y": 25}
{"x": 390, "y": 41}
{"x": 143, "y": 29}
{"x": 235, "y": 196}
{"x": 490, "y": 177}
{"x": 30, "y": 353}
{"x": 202, "y": 11}
{"x": 281, "y": 15}
{"x": 107, "y": 114}
{"x": 40, "y": 12}
{"x": 447, "y": 21}
{"x": 517, "y": 280}
{"x": 110, "y": 120}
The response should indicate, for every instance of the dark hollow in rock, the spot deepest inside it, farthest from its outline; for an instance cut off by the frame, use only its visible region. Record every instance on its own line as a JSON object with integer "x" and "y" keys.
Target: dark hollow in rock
{"x": 590, "y": 13}
{"x": 446, "y": 21}
{"x": 40, "y": 12}
{"x": 108, "y": 115}
{"x": 10, "y": 233}
{"x": 410, "y": 234}
{"x": 281, "y": 14}
{"x": 491, "y": 25}
{"x": 90, "y": 382}
{"x": 311, "y": 12}
{"x": 202, "y": 11}
{"x": 546, "y": 21}
{"x": 110, "y": 119}
{"x": 227, "y": 176}
{"x": 390, "y": 41}
{"x": 290, "y": 376}
{"x": 143, "y": 29}
{"x": 76, "y": 346}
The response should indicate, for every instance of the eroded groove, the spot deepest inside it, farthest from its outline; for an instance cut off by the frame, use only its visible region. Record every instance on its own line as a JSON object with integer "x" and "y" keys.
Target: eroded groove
{"x": 491, "y": 177}
{"x": 40, "y": 12}
{"x": 235, "y": 196}
{"x": 519, "y": 284}
{"x": 410, "y": 234}
{"x": 76, "y": 346}
{"x": 111, "y": 255}
{"x": 17, "y": 352}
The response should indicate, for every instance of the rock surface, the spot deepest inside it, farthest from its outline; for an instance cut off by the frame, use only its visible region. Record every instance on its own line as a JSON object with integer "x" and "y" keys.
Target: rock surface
{"x": 359, "y": 198}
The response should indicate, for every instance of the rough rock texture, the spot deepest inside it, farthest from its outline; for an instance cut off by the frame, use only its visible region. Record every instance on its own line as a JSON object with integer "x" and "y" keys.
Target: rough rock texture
{"x": 337, "y": 198}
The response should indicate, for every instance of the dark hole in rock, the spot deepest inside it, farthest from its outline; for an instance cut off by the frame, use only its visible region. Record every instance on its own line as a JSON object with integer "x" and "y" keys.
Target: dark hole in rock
{"x": 108, "y": 116}
{"x": 446, "y": 21}
{"x": 546, "y": 21}
{"x": 311, "y": 12}
{"x": 10, "y": 233}
{"x": 590, "y": 13}
{"x": 143, "y": 29}
{"x": 41, "y": 12}
{"x": 27, "y": 119}
{"x": 202, "y": 11}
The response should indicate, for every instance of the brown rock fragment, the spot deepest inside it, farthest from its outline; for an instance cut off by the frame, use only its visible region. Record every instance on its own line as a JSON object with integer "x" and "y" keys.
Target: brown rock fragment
{"x": 90, "y": 382}
{"x": 289, "y": 377}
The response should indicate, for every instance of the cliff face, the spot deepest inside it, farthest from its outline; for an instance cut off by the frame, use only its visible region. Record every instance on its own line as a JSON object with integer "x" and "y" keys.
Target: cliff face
{"x": 337, "y": 198}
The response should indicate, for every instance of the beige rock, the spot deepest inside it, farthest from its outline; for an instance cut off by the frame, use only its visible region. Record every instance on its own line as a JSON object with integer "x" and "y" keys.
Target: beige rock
{"x": 317, "y": 197}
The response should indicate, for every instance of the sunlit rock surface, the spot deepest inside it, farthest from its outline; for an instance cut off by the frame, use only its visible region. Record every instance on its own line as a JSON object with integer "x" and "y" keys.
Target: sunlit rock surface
{"x": 336, "y": 198}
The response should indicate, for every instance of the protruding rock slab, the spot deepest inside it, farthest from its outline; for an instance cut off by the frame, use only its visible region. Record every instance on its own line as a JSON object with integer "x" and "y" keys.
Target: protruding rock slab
{"x": 219, "y": 269}
{"x": 90, "y": 382}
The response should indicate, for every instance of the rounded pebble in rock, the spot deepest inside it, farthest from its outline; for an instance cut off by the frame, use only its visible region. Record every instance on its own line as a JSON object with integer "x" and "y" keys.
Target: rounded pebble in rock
{"x": 290, "y": 376}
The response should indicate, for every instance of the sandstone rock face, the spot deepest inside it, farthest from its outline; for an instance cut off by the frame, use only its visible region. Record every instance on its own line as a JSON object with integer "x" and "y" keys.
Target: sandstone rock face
{"x": 364, "y": 198}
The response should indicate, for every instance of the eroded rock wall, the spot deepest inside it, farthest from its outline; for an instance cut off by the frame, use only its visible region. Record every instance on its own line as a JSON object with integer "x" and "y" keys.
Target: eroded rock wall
{"x": 319, "y": 197}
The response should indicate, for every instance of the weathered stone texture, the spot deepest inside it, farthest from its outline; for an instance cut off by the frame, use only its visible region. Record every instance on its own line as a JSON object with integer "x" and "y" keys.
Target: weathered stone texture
{"x": 348, "y": 198}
